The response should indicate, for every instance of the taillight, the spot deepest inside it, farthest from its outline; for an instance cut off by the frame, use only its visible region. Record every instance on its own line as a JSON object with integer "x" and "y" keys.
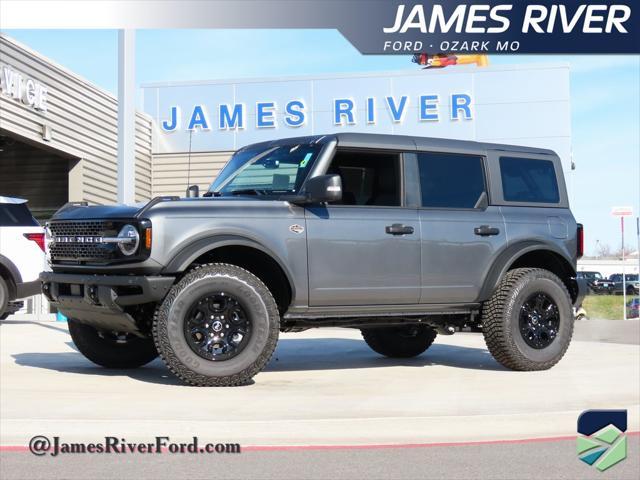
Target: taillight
{"x": 36, "y": 237}
{"x": 580, "y": 246}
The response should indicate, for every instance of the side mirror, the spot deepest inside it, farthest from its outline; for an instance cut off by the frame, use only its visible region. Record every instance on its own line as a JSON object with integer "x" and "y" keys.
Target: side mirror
{"x": 324, "y": 188}
{"x": 193, "y": 191}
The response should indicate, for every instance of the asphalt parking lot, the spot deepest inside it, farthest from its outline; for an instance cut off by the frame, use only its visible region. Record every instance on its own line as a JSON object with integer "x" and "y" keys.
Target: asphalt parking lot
{"x": 323, "y": 388}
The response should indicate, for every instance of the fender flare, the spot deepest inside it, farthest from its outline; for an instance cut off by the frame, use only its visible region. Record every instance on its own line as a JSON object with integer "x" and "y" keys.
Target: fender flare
{"x": 508, "y": 256}
{"x": 14, "y": 277}
{"x": 189, "y": 253}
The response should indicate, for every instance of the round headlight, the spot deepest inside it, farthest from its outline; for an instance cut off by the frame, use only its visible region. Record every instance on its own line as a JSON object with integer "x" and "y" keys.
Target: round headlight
{"x": 130, "y": 239}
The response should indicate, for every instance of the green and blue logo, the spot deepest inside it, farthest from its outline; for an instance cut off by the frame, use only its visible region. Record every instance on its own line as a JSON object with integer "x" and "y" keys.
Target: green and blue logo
{"x": 602, "y": 442}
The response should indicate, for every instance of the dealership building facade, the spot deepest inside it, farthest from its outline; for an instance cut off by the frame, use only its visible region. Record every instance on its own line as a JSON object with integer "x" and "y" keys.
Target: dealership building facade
{"x": 58, "y": 132}
{"x": 58, "y": 135}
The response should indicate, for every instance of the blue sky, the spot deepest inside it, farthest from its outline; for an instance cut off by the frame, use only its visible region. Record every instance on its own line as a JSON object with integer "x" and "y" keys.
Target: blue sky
{"x": 605, "y": 92}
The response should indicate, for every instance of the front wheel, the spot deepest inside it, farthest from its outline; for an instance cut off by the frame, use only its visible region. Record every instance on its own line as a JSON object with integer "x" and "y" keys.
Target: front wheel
{"x": 218, "y": 326}
{"x": 111, "y": 349}
{"x": 528, "y": 321}
{"x": 404, "y": 341}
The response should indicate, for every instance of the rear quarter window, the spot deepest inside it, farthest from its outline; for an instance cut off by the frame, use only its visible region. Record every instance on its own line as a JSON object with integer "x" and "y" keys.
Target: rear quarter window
{"x": 16, "y": 215}
{"x": 450, "y": 180}
{"x": 529, "y": 180}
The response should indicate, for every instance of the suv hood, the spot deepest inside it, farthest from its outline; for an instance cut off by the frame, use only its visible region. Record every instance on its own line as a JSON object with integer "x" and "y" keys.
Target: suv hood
{"x": 120, "y": 211}
{"x": 83, "y": 212}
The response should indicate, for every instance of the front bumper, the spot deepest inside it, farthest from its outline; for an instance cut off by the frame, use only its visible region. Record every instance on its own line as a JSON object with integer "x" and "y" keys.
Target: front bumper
{"x": 101, "y": 300}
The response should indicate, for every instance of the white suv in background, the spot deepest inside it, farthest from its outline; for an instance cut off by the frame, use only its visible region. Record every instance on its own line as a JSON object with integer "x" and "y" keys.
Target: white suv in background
{"x": 22, "y": 254}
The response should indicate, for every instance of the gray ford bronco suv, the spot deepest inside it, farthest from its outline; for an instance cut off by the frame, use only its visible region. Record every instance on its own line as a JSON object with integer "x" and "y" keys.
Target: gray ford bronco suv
{"x": 401, "y": 237}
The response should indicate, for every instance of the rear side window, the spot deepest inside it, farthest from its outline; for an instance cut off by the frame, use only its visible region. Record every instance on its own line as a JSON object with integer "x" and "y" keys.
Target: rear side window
{"x": 16, "y": 215}
{"x": 450, "y": 180}
{"x": 528, "y": 180}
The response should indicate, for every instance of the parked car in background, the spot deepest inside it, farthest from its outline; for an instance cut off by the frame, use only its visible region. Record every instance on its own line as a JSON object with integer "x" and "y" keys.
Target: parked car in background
{"x": 591, "y": 278}
{"x": 631, "y": 284}
{"x": 602, "y": 286}
{"x": 633, "y": 308}
{"x": 22, "y": 256}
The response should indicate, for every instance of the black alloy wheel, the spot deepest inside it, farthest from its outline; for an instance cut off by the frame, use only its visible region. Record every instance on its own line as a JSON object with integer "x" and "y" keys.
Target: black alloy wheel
{"x": 217, "y": 327}
{"x": 539, "y": 320}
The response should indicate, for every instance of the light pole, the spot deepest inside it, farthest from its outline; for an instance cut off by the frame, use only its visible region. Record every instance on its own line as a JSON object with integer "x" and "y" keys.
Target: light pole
{"x": 624, "y": 277}
{"x": 126, "y": 116}
{"x": 638, "y": 244}
{"x": 623, "y": 212}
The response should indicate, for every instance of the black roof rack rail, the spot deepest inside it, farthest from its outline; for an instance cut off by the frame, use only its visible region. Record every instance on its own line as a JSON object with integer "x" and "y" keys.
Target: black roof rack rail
{"x": 155, "y": 201}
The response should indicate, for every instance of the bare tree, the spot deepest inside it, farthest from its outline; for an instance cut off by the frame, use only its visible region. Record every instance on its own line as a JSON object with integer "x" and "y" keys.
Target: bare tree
{"x": 627, "y": 251}
{"x": 603, "y": 250}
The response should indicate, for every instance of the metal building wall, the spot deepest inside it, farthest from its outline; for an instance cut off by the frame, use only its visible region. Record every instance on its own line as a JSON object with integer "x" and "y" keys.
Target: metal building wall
{"x": 83, "y": 122}
{"x": 170, "y": 171}
{"x": 522, "y": 105}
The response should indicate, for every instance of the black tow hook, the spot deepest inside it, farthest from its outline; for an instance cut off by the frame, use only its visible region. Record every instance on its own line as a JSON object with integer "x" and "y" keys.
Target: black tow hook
{"x": 46, "y": 290}
{"x": 92, "y": 292}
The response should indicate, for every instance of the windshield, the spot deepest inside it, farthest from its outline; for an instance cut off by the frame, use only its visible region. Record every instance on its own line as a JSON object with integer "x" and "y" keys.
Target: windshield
{"x": 268, "y": 170}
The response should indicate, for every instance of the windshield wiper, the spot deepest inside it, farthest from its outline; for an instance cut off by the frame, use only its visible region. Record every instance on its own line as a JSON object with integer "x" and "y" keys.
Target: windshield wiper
{"x": 212, "y": 194}
{"x": 247, "y": 191}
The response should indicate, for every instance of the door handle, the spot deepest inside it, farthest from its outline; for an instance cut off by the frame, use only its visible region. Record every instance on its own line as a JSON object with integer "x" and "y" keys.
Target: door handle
{"x": 398, "y": 229}
{"x": 486, "y": 230}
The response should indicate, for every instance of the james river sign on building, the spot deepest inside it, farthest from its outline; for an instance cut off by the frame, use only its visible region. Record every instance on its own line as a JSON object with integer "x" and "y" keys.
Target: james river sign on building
{"x": 525, "y": 105}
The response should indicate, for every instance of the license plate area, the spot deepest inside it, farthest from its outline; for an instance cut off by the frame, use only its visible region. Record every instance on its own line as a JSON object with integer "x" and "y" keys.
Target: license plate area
{"x": 71, "y": 289}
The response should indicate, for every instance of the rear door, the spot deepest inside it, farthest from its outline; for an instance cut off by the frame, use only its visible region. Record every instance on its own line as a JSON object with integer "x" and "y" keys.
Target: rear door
{"x": 365, "y": 250}
{"x": 461, "y": 234}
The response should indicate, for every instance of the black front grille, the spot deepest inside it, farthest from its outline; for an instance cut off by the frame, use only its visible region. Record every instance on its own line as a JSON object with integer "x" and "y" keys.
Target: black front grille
{"x": 86, "y": 227}
{"x": 77, "y": 252}
{"x": 81, "y": 253}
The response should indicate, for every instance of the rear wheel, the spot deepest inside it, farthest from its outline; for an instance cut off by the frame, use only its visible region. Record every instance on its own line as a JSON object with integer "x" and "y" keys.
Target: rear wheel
{"x": 218, "y": 326}
{"x": 399, "y": 342}
{"x": 111, "y": 349}
{"x": 528, "y": 321}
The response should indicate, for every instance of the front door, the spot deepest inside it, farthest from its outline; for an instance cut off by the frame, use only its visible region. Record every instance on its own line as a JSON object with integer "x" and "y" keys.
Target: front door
{"x": 366, "y": 250}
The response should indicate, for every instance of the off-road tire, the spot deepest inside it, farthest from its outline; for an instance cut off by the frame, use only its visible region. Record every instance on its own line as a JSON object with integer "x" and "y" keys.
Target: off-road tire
{"x": 500, "y": 320}
{"x": 102, "y": 349}
{"x": 397, "y": 342}
{"x": 168, "y": 326}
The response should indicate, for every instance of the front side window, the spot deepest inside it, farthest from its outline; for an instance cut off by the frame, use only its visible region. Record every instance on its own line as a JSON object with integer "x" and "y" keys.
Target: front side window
{"x": 368, "y": 178}
{"x": 450, "y": 180}
{"x": 267, "y": 170}
{"x": 528, "y": 180}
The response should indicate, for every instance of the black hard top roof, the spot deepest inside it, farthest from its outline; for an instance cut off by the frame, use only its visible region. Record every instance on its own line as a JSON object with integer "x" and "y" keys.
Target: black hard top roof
{"x": 404, "y": 142}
